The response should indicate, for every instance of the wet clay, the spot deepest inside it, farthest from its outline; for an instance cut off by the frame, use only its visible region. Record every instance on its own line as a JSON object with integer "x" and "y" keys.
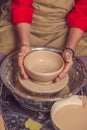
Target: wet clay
{"x": 71, "y": 117}
{"x": 31, "y": 86}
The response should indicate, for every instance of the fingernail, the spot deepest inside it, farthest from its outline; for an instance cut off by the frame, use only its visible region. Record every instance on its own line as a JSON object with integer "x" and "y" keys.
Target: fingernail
{"x": 57, "y": 79}
{"x": 26, "y": 77}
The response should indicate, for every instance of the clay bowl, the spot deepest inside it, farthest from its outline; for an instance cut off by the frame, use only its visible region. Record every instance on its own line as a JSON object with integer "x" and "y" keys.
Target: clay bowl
{"x": 70, "y": 113}
{"x": 43, "y": 66}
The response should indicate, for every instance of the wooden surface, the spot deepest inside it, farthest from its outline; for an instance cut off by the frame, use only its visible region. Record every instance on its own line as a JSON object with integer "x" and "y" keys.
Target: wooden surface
{"x": 2, "y": 126}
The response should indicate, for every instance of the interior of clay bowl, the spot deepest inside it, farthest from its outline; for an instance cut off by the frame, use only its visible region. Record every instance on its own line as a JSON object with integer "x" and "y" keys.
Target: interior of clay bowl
{"x": 70, "y": 113}
{"x": 43, "y": 66}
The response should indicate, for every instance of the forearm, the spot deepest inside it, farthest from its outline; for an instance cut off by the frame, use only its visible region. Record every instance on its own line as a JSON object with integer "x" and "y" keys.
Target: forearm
{"x": 75, "y": 34}
{"x": 77, "y": 21}
{"x": 73, "y": 39}
{"x": 24, "y": 33}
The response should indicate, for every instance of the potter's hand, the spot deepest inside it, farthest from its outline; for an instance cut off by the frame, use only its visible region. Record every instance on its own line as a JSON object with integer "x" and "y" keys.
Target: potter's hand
{"x": 24, "y": 50}
{"x": 68, "y": 58}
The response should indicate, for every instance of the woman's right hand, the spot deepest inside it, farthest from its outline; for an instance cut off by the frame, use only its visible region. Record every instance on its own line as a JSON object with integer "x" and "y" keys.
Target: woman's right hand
{"x": 24, "y": 50}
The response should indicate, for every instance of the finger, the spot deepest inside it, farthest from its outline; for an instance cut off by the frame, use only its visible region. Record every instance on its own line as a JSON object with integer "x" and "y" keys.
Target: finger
{"x": 20, "y": 62}
{"x": 23, "y": 72}
{"x": 57, "y": 79}
{"x": 65, "y": 70}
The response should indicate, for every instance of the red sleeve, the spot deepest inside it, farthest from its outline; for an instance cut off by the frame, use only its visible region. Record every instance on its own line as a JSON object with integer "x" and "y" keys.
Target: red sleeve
{"x": 78, "y": 15}
{"x": 22, "y": 11}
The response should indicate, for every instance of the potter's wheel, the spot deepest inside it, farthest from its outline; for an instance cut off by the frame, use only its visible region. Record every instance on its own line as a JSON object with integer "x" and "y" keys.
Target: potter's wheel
{"x": 41, "y": 102}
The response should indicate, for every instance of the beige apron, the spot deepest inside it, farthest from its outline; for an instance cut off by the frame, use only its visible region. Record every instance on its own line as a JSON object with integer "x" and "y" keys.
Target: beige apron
{"x": 48, "y": 28}
{"x": 8, "y": 34}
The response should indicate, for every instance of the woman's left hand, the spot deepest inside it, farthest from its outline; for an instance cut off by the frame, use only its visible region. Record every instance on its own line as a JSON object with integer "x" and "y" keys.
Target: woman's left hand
{"x": 68, "y": 58}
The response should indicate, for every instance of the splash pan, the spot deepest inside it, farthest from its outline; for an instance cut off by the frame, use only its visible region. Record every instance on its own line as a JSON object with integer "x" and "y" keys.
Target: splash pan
{"x": 40, "y": 102}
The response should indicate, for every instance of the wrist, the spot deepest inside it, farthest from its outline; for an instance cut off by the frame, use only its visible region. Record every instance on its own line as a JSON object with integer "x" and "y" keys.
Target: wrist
{"x": 69, "y": 50}
{"x": 25, "y": 44}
